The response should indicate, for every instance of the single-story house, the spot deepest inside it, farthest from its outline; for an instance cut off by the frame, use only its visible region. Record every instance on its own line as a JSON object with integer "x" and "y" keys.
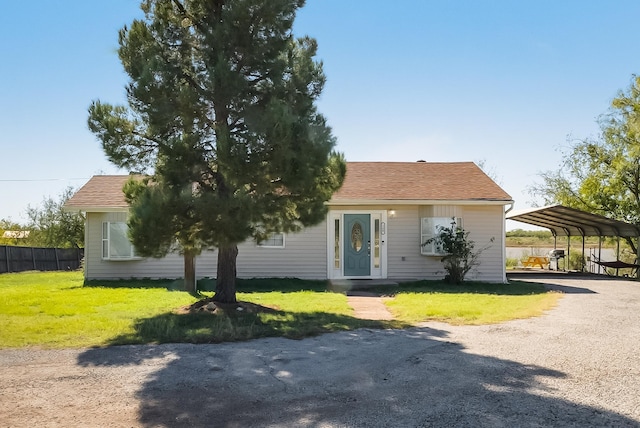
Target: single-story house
{"x": 374, "y": 228}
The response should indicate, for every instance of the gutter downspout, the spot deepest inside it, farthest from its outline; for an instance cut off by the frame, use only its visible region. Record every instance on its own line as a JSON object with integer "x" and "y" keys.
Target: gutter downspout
{"x": 504, "y": 245}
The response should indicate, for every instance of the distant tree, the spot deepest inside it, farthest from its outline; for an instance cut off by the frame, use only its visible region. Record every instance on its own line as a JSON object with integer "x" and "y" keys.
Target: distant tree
{"x": 52, "y": 226}
{"x": 540, "y": 234}
{"x": 222, "y": 115}
{"x": 601, "y": 175}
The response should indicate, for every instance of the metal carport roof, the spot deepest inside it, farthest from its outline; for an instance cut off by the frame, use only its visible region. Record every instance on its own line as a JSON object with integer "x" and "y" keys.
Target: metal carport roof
{"x": 565, "y": 221}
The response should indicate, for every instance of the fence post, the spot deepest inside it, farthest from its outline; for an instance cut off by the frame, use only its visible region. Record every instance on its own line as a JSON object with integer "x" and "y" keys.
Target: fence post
{"x": 33, "y": 257}
{"x": 55, "y": 251}
{"x": 6, "y": 253}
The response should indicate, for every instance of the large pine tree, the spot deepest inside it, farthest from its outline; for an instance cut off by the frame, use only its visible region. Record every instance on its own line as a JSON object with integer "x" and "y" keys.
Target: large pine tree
{"x": 221, "y": 114}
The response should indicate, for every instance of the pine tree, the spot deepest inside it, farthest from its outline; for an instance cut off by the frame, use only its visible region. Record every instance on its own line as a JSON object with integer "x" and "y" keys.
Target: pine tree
{"x": 221, "y": 114}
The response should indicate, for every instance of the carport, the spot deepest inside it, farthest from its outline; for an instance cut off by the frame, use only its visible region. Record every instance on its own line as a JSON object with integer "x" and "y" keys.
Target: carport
{"x": 569, "y": 222}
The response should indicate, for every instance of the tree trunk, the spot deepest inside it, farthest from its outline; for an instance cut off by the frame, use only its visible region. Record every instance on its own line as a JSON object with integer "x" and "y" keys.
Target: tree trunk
{"x": 632, "y": 244}
{"x": 226, "y": 280}
{"x": 190, "y": 273}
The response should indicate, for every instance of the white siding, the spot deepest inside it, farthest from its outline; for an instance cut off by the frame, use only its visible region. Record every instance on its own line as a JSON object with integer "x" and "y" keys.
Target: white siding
{"x": 482, "y": 222}
{"x": 171, "y": 266}
{"x": 304, "y": 256}
{"x": 404, "y": 258}
{"x": 305, "y": 253}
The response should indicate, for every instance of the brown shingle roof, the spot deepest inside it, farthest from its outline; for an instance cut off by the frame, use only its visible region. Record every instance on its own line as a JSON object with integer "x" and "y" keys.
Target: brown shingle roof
{"x": 366, "y": 181}
{"x": 100, "y": 192}
{"x": 446, "y": 181}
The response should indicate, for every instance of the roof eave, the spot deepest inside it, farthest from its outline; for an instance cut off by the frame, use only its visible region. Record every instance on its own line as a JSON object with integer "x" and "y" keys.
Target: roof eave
{"x": 94, "y": 209}
{"x": 340, "y": 202}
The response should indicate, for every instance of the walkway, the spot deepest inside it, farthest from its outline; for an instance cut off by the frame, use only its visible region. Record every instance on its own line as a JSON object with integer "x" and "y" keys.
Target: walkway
{"x": 368, "y": 306}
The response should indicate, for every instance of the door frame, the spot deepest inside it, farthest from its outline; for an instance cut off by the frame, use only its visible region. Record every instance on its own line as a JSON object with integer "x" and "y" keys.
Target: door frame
{"x": 334, "y": 272}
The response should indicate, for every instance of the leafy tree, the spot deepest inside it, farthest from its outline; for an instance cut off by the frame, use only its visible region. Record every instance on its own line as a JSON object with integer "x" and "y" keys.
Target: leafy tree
{"x": 460, "y": 256}
{"x": 52, "y": 226}
{"x": 601, "y": 175}
{"x": 221, "y": 112}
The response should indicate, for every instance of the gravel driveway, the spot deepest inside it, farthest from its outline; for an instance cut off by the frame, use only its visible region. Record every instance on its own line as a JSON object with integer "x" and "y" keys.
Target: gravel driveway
{"x": 577, "y": 366}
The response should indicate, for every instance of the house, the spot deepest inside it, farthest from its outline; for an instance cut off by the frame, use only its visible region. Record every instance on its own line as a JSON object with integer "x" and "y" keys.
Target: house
{"x": 373, "y": 230}
{"x": 16, "y": 234}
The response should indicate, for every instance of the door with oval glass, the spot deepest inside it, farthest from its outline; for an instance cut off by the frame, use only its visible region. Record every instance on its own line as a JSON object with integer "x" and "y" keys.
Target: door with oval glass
{"x": 357, "y": 248}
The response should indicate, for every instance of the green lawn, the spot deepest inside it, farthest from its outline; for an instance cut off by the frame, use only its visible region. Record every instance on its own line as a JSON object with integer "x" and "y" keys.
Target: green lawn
{"x": 471, "y": 303}
{"x": 55, "y": 310}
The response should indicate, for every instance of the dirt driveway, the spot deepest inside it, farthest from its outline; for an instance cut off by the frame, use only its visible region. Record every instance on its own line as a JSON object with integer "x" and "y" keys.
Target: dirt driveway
{"x": 577, "y": 366}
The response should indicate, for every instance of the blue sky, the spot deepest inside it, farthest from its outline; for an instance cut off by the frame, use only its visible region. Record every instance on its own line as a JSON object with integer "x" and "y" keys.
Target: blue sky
{"x": 504, "y": 82}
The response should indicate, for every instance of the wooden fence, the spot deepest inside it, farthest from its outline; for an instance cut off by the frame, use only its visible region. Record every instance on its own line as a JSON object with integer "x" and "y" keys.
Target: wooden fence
{"x": 19, "y": 259}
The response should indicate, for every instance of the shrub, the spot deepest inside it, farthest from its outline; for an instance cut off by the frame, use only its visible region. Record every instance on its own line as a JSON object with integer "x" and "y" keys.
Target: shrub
{"x": 512, "y": 262}
{"x": 576, "y": 261}
{"x": 459, "y": 255}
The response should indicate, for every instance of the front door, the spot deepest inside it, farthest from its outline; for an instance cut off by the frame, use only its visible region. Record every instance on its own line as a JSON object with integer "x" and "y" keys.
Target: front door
{"x": 357, "y": 244}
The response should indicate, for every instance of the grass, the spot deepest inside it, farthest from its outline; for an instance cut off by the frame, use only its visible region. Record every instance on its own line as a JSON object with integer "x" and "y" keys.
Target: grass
{"x": 56, "y": 310}
{"x": 53, "y": 309}
{"x": 470, "y": 303}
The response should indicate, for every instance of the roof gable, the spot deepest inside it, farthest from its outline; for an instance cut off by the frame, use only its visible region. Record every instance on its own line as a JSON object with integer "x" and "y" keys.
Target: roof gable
{"x": 100, "y": 193}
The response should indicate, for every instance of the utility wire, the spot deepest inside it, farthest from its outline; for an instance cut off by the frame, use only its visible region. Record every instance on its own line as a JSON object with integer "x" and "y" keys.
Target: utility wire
{"x": 40, "y": 179}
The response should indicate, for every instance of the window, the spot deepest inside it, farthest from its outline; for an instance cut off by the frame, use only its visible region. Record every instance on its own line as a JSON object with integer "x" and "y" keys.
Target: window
{"x": 430, "y": 227}
{"x": 376, "y": 243}
{"x": 115, "y": 242}
{"x": 274, "y": 240}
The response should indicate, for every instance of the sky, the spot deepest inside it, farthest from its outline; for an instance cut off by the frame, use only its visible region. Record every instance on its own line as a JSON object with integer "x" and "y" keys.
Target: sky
{"x": 508, "y": 84}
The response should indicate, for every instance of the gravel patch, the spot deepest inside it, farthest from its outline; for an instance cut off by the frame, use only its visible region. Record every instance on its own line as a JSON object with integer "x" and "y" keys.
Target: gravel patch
{"x": 576, "y": 366}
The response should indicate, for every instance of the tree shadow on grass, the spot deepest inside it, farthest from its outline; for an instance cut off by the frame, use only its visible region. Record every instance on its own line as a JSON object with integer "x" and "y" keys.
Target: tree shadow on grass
{"x": 263, "y": 285}
{"x": 372, "y": 378}
{"x": 251, "y": 285}
{"x": 253, "y": 321}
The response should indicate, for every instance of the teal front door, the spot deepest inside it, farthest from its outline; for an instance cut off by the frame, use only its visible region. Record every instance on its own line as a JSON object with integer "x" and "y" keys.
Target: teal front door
{"x": 357, "y": 244}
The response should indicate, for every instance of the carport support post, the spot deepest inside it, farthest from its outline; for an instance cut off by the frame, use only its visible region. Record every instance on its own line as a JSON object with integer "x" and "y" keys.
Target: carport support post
{"x": 617, "y": 253}
{"x": 568, "y": 252}
{"x": 638, "y": 257}
{"x": 599, "y": 253}
{"x": 582, "y": 262}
